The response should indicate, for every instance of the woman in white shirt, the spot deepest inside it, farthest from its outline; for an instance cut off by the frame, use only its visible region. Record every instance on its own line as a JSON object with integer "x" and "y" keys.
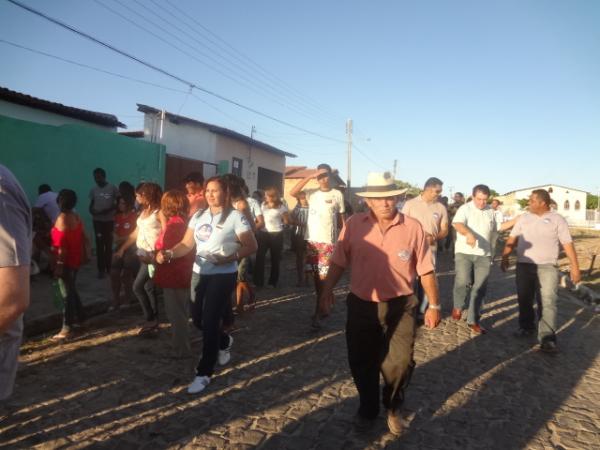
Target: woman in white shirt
{"x": 221, "y": 236}
{"x": 270, "y": 238}
{"x": 148, "y": 229}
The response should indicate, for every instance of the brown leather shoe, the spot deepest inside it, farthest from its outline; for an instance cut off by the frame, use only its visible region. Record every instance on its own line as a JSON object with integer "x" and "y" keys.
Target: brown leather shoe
{"x": 477, "y": 329}
{"x": 456, "y": 313}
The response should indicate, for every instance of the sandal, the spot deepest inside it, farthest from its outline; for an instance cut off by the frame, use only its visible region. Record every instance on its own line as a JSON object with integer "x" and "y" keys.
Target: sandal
{"x": 62, "y": 336}
{"x": 147, "y": 329}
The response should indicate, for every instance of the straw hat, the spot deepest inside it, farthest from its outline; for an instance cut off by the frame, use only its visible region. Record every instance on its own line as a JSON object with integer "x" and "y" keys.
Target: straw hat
{"x": 380, "y": 185}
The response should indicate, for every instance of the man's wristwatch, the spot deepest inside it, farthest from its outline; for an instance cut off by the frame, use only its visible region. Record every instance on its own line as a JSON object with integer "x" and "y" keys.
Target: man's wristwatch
{"x": 437, "y": 307}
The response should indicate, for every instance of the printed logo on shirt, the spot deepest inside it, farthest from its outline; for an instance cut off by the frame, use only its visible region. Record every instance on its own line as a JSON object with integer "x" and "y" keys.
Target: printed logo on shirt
{"x": 404, "y": 255}
{"x": 436, "y": 215}
{"x": 127, "y": 226}
{"x": 245, "y": 221}
{"x": 546, "y": 221}
{"x": 203, "y": 233}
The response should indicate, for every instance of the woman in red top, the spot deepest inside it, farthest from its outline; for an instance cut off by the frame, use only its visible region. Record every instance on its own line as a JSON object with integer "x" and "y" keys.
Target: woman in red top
{"x": 124, "y": 267}
{"x": 67, "y": 237}
{"x": 175, "y": 277}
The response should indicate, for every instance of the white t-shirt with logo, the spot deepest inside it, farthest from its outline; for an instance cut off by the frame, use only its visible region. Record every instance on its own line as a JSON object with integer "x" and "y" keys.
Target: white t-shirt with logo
{"x": 212, "y": 238}
{"x": 323, "y": 210}
{"x": 273, "y": 218}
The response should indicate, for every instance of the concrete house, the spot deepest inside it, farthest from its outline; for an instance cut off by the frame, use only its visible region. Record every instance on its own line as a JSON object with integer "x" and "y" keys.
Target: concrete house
{"x": 570, "y": 202}
{"x": 25, "y": 107}
{"x": 192, "y": 145}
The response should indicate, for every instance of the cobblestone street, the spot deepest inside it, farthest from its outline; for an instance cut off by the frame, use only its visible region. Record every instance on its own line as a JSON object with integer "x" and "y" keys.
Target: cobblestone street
{"x": 288, "y": 386}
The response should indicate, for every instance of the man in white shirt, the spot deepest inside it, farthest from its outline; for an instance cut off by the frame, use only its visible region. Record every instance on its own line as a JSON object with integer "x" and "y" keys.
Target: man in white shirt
{"x": 326, "y": 215}
{"x": 47, "y": 202}
{"x": 475, "y": 223}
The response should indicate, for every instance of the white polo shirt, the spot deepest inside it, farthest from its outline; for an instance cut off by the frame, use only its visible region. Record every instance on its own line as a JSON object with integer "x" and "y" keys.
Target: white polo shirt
{"x": 482, "y": 223}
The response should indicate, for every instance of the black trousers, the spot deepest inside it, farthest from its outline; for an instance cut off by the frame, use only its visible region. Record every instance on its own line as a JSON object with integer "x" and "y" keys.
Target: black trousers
{"x": 380, "y": 338}
{"x": 209, "y": 305}
{"x": 104, "y": 241}
{"x": 272, "y": 242}
{"x": 73, "y": 311}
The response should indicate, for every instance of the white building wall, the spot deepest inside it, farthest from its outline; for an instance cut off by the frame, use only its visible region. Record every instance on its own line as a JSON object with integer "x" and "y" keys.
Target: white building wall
{"x": 22, "y": 112}
{"x": 561, "y": 194}
{"x": 182, "y": 139}
{"x": 253, "y": 158}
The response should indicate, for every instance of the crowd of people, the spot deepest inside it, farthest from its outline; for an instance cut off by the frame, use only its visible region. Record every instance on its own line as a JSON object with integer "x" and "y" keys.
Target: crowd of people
{"x": 202, "y": 253}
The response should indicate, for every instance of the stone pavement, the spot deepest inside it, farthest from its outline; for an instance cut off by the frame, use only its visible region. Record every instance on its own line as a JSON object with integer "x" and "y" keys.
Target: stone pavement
{"x": 289, "y": 387}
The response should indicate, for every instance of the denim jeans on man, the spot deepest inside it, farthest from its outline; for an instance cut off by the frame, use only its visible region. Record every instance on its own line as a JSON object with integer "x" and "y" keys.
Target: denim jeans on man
{"x": 472, "y": 273}
{"x": 538, "y": 281}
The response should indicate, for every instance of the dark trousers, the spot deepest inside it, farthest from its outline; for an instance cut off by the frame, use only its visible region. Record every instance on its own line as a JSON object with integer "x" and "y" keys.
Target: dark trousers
{"x": 272, "y": 242}
{"x": 539, "y": 282}
{"x": 73, "y": 311}
{"x": 104, "y": 241}
{"x": 211, "y": 299}
{"x": 380, "y": 338}
{"x": 144, "y": 290}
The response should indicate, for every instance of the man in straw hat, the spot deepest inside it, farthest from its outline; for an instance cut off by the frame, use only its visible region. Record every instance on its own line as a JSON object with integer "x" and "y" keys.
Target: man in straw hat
{"x": 385, "y": 251}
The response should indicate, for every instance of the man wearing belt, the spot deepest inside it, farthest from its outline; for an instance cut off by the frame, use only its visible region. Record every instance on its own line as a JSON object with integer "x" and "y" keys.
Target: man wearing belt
{"x": 385, "y": 250}
{"x": 537, "y": 236}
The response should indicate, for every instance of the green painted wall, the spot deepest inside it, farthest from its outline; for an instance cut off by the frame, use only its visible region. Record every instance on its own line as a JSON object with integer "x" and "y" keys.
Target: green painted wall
{"x": 65, "y": 157}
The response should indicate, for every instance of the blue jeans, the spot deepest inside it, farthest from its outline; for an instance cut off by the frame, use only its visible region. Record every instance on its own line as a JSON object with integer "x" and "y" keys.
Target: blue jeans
{"x": 473, "y": 271}
{"x": 539, "y": 281}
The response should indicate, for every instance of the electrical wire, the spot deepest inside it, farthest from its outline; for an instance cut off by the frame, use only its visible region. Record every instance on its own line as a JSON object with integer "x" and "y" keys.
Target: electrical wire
{"x": 228, "y": 48}
{"x": 168, "y": 74}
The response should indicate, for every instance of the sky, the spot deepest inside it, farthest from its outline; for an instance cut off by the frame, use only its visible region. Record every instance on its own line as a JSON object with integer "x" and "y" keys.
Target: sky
{"x": 505, "y": 93}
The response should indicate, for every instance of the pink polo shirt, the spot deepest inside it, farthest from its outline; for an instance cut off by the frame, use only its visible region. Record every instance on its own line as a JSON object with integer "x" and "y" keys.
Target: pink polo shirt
{"x": 382, "y": 265}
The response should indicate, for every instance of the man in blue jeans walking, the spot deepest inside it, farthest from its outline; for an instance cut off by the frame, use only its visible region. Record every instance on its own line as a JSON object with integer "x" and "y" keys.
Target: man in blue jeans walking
{"x": 536, "y": 236}
{"x": 475, "y": 225}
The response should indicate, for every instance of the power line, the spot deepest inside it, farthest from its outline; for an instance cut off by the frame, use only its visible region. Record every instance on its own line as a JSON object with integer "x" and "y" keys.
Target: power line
{"x": 86, "y": 66}
{"x": 226, "y": 56}
{"x": 368, "y": 157}
{"x": 247, "y": 83}
{"x": 228, "y": 48}
{"x": 169, "y": 74}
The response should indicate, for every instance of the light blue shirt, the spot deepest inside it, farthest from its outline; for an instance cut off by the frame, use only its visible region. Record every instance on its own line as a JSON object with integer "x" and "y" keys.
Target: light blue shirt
{"x": 212, "y": 238}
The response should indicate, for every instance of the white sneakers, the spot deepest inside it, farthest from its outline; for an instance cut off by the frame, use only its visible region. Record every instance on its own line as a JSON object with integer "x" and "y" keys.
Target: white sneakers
{"x": 225, "y": 355}
{"x": 198, "y": 385}
{"x": 200, "y": 382}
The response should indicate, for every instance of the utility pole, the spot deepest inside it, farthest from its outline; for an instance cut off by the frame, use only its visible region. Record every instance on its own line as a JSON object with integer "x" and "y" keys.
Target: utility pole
{"x": 395, "y": 165}
{"x": 349, "y": 176}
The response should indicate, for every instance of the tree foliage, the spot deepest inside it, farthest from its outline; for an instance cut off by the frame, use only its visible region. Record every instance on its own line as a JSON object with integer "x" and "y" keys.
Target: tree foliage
{"x": 523, "y": 202}
{"x": 412, "y": 189}
{"x": 592, "y": 202}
